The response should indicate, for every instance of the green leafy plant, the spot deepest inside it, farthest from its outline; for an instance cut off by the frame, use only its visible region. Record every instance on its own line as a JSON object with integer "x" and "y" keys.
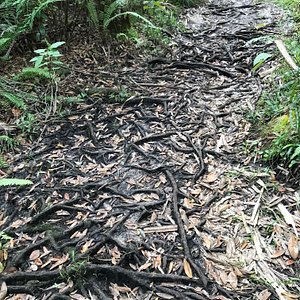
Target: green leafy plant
{"x": 6, "y": 143}
{"x": 4, "y": 245}
{"x": 292, "y": 152}
{"x": 46, "y": 64}
{"x": 14, "y": 181}
{"x": 260, "y": 59}
{"x": 20, "y": 17}
{"x": 3, "y": 162}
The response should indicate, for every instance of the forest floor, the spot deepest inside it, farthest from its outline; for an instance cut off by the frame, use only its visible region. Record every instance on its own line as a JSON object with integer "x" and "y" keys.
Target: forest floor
{"x": 155, "y": 198}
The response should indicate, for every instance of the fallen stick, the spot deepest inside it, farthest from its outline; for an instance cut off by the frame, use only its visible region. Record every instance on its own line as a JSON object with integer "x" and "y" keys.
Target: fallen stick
{"x": 280, "y": 45}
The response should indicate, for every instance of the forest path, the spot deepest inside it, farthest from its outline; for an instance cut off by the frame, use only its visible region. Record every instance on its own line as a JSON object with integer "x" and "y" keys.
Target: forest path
{"x": 155, "y": 198}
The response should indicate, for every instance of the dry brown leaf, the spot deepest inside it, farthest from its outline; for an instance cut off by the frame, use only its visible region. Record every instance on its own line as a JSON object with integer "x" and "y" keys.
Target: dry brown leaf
{"x": 60, "y": 261}
{"x": 238, "y": 272}
{"x": 86, "y": 246}
{"x": 77, "y": 297}
{"x": 3, "y": 255}
{"x": 264, "y": 295}
{"x": 293, "y": 247}
{"x": 277, "y": 253}
{"x": 188, "y": 203}
{"x": 187, "y": 269}
{"x": 184, "y": 217}
{"x": 164, "y": 296}
{"x": 232, "y": 280}
{"x": 288, "y": 217}
{"x": 3, "y": 291}
{"x": 162, "y": 178}
{"x": 171, "y": 265}
{"x": 145, "y": 266}
{"x": 211, "y": 177}
{"x": 289, "y": 262}
{"x": 35, "y": 254}
{"x": 38, "y": 262}
{"x": 289, "y": 296}
{"x": 157, "y": 262}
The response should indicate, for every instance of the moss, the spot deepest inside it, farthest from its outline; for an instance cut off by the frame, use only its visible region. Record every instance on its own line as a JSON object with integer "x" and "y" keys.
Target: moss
{"x": 279, "y": 125}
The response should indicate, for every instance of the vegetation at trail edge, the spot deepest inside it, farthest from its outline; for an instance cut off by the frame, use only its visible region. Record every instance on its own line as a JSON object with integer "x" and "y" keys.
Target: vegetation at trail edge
{"x": 278, "y": 110}
{"x": 41, "y": 33}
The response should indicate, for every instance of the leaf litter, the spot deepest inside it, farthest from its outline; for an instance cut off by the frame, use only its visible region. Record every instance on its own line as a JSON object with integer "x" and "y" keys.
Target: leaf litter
{"x": 154, "y": 198}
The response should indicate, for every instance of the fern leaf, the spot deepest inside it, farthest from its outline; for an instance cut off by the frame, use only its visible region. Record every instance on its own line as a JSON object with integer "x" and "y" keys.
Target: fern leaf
{"x": 14, "y": 181}
{"x": 33, "y": 73}
{"x": 92, "y": 9}
{"x": 108, "y": 12}
{"x": 131, "y": 13}
{"x": 13, "y": 99}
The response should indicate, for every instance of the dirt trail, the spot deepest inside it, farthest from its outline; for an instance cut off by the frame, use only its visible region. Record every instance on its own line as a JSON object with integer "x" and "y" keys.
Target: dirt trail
{"x": 154, "y": 199}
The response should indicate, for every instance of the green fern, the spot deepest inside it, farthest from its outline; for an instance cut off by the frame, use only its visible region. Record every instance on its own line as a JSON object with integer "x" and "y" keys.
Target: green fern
{"x": 113, "y": 7}
{"x": 93, "y": 12}
{"x": 130, "y": 13}
{"x": 6, "y": 142}
{"x": 34, "y": 73}
{"x": 14, "y": 181}
{"x": 3, "y": 162}
{"x": 36, "y": 12}
{"x": 13, "y": 99}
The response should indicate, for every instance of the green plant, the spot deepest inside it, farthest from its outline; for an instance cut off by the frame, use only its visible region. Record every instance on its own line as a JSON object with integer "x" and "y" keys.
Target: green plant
{"x": 4, "y": 244}
{"x": 27, "y": 123}
{"x": 46, "y": 63}
{"x": 14, "y": 181}
{"x": 260, "y": 59}
{"x": 6, "y": 143}
{"x": 20, "y": 17}
{"x": 292, "y": 154}
{"x": 189, "y": 3}
{"x": 3, "y": 162}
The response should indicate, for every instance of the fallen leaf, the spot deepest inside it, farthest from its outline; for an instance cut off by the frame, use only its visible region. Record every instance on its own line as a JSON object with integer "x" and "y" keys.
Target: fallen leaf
{"x": 289, "y": 296}
{"x": 3, "y": 255}
{"x": 145, "y": 266}
{"x": 60, "y": 261}
{"x": 293, "y": 247}
{"x": 211, "y": 177}
{"x": 232, "y": 280}
{"x": 164, "y": 296}
{"x": 170, "y": 268}
{"x": 187, "y": 269}
{"x": 86, "y": 246}
{"x": 277, "y": 253}
{"x": 288, "y": 217}
{"x": 264, "y": 295}
{"x": 188, "y": 203}
{"x": 3, "y": 291}
{"x": 34, "y": 254}
{"x": 78, "y": 297}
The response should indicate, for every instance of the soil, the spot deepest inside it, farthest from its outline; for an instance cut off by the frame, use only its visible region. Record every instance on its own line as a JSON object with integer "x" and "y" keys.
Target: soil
{"x": 154, "y": 197}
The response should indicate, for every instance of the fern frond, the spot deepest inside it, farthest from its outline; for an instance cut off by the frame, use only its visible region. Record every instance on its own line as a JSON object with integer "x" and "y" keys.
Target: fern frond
{"x": 39, "y": 9}
{"x": 93, "y": 12}
{"x": 13, "y": 99}
{"x": 34, "y": 73}
{"x": 14, "y": 181}
{"x": 3, "y": 162}
{"x": 113, "y": 7}
{"x": 130, "y": 13}
{"x": 6, "y": 142}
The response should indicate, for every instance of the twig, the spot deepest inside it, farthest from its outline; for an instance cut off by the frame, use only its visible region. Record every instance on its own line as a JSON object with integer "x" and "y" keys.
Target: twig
{"x": 281, "y": 47}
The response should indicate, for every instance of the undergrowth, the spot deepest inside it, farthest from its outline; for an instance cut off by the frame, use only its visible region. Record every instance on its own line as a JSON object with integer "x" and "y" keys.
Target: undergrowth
{"x": 30, "y": 96}
{"x": 278, "y": 110}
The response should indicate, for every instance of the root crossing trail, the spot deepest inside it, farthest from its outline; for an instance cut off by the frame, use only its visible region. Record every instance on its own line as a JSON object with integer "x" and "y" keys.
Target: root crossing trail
{"x": 154, "y": 198}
